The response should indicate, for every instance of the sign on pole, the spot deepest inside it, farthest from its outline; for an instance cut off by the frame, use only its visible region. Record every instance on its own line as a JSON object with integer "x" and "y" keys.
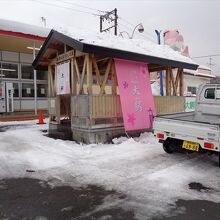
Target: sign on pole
{"x": 63, "y": 79}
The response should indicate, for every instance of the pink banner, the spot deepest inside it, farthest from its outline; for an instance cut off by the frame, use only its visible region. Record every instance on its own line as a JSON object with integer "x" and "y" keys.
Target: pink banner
{"x": 135, "y": 94}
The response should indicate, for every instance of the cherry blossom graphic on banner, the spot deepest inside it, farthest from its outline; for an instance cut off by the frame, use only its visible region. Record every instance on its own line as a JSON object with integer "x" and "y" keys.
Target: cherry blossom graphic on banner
{"x": 135, "y": 94}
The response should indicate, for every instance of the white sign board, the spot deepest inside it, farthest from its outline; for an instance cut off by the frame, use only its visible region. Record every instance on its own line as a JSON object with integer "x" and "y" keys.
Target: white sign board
{"x": 63, "y": 79}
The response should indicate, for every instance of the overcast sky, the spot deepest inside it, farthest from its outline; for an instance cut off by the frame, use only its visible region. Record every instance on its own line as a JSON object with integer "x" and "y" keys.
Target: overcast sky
{"x": 198, "y": 21}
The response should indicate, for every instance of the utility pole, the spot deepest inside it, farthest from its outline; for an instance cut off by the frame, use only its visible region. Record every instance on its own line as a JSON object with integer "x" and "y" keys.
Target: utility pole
{"x": 111, "y": 17}
{"x": 211, "y": 63}
{"x": 44, "y": 20}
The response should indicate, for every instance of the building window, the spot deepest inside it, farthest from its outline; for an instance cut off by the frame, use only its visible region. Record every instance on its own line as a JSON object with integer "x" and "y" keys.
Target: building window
{"x": 191, "y": 90}
{"x": 210, "y": 93}
{"x": 41, "y": 90}
{"x": 9, "y": 70}
{"x": 27, "y": 90}
{"x": 27, "y": 71}
{"x": 16, "y": 90}
{"x": 41, "y": 75}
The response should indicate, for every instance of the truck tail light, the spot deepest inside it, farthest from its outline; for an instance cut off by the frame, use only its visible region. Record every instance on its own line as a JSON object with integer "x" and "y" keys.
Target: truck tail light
{"x": 160, "y": 136}
{"x": 209, "y": 145}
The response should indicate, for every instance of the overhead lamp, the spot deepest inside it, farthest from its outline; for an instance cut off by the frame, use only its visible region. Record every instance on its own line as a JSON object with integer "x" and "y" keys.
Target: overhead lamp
{"x": 32, "y": 48}
{"x": 140, "y": 30}
{"x": 10, "y": 70}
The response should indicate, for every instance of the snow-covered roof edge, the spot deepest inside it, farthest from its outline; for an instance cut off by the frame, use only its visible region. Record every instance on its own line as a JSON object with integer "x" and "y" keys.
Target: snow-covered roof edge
{"x": 121, "y": 48}
{"x": 18, "y": 27}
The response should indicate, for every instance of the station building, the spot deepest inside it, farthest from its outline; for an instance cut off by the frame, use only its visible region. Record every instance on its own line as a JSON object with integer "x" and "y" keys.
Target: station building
{"x": 18, "y": 43}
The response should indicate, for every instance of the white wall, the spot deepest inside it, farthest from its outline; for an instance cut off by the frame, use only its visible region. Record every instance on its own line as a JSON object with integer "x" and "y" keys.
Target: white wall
{"x": 194, "y": 81}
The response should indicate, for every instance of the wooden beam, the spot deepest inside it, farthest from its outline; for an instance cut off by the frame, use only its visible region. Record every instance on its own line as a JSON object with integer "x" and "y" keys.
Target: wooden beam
{"x": 173, "y": 83}
{"x": 114, "y": 80}
{"x": 79, "y": 54}
{"x": 65, "y": 56}
{"x": 77, "y": 70}
{"x": 102, "y": 90}
{"x": 49, "y": 80}
{"x": 82, "y": 77}
{"x": 96, "y": 70}
{"x": 156, "y": 68}
{"x": 89, "y": 73}
{"x": 58, "y": 109}
{"x": 181, "y": 81}
{"x": 73, "y": 78}
{"x": 55, "y": 80}
{"x": 168, "y": 84}
{"x": 177, "y": 79}
{"x": 102, "y": 59}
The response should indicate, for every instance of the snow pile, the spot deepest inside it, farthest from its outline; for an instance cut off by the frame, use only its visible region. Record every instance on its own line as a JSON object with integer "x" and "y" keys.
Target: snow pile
{"x": 139, "y": 46}
{"x": 136, "y": 167}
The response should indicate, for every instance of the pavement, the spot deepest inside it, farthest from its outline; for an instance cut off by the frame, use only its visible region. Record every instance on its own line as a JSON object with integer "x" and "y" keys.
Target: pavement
{"x": 20, "y": 116}
{"x": 33, "y": 199}
{"x": 29, "y": 198}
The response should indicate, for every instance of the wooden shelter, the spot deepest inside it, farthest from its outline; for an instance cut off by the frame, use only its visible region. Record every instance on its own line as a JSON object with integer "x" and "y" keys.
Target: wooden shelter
{"x": 91, "y": 113}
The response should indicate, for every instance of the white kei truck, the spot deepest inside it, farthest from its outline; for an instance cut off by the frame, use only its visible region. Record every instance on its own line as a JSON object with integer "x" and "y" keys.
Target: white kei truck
{"x": 197, "y": 131}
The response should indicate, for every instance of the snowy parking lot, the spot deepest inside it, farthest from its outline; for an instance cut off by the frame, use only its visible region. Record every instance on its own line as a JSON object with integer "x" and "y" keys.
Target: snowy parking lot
{"x": 138, "y": 168}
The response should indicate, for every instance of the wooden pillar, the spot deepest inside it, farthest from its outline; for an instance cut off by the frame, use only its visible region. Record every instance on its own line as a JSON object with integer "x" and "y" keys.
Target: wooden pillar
{"x": 58, "y": 109}
{"x": 168, "y": 82}
{"x": 181, "y": 87}
{"x": 49, "y": 75}
{"x": 73, "y": 79}
{"x": 89, "y": 73}
{"x": 114, "y": 86}
{"x": 102, "y": 90}
{"x": 55, "y": 81}
{"x": 172, "y": 82}
{"x": 81, "y": 89}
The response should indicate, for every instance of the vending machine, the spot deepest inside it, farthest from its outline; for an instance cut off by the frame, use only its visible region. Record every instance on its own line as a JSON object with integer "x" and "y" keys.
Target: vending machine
{"x": 9, "y": 90}
{"x": 2, "y": 98}
{"x": 6, "y": 97}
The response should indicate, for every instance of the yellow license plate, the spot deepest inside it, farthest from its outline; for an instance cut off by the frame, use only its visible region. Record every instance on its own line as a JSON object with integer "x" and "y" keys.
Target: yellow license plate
{"x": 188, "y": 145}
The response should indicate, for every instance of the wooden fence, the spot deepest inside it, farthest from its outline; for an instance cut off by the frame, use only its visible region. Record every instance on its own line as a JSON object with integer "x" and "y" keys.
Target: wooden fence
{"x": 169, "y": 104}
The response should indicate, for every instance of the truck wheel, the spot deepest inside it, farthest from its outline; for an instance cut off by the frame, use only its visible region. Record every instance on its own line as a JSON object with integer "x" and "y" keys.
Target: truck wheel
{"x": 167, "y": 148}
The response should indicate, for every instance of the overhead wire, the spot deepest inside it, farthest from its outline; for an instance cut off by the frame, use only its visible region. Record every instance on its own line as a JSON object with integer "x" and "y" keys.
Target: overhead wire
{"x": 68, "y": 8}
{"x": 82, "y": 6}
{"x": 204, "y": 56}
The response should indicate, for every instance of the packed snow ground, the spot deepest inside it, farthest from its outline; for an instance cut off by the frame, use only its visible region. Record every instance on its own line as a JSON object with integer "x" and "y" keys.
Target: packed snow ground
{"x": 138, "y": 168}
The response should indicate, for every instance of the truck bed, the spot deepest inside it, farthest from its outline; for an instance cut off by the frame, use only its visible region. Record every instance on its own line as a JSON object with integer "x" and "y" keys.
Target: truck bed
{"x": 189, "y": 117}
{"x": 184, "y": 126}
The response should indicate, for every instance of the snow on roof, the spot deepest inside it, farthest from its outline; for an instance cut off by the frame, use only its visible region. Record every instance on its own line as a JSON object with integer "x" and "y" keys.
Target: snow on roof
{"x": 198, "y": 73}
{"x": 204, "y": 67}
{"x": 139, "y": 46}
{"x": 23, "y": 28}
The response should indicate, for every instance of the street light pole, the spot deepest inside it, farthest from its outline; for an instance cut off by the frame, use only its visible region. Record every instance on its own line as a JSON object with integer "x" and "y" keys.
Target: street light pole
{"x": 161, "y": 72}
{"x": 35, "y": 83}
{"x": 140, "y": 29}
